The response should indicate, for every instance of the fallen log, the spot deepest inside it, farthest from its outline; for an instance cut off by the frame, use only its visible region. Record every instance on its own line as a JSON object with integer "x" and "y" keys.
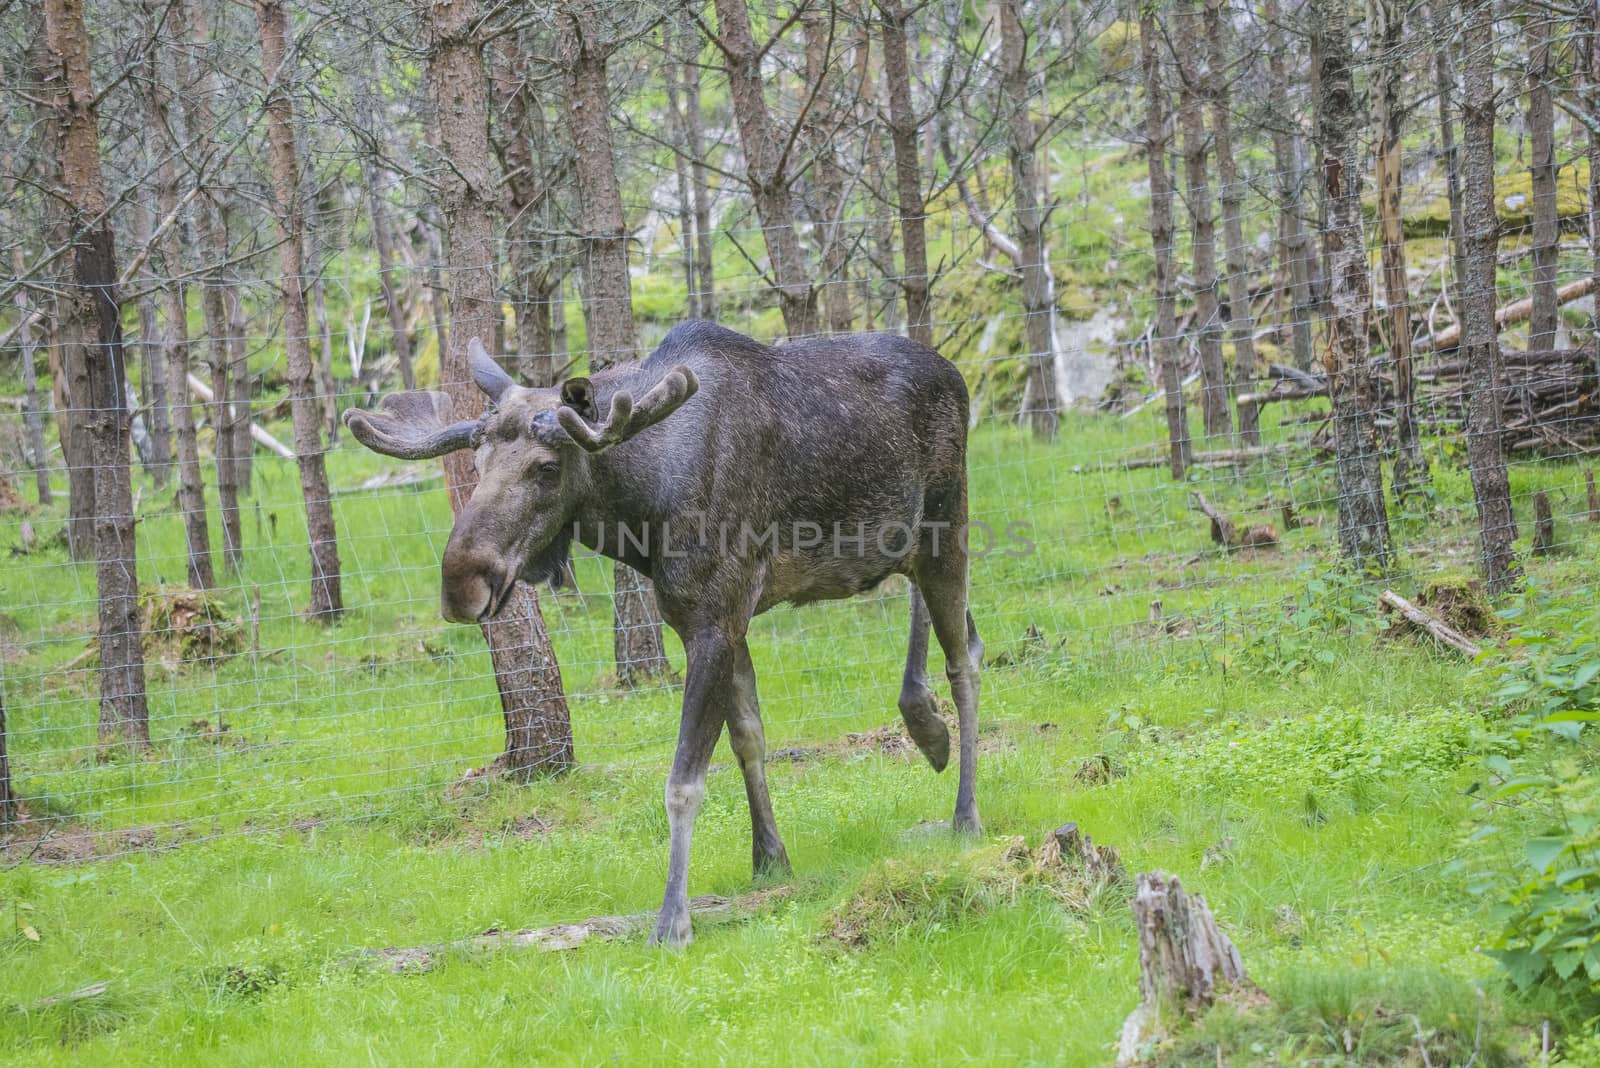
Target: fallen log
{"x": 562, "y": 936}
{"x": 1185, "y": 964}
{"x": 1440, "y": 631}
{"x": 1221, "y": 456}
{"x": 1515, "y": 312}
{"x": 203, "y": 391}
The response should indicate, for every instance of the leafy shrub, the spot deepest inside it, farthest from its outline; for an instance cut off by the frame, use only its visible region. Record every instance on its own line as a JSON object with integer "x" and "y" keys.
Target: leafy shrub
{"x": 1336, "y": 752}
{"x": 1544, "y": 814}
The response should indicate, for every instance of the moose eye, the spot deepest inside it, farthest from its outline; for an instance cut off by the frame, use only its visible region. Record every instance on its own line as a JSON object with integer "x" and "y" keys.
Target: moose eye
{"x": 550, "y": 467}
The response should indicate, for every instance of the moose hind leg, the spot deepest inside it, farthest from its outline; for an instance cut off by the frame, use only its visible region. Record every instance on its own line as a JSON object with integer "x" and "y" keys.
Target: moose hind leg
{"x": 749, "y": 744}
{"x": 947, "y": 610}
{"x": 705, "y": 702}
{"x": 917, "y": 707}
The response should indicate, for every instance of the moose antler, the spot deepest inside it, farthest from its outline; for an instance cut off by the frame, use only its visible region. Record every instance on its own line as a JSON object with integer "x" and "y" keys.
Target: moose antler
{"x": 625, "y": 419}
{"x": 412, "y": 426}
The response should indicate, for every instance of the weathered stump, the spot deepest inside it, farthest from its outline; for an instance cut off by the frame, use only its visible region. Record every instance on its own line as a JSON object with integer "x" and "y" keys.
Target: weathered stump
{"x": 1544, "y": 525}
{"x": 1070, "y": 847}
{"x": 1185, "y": 963}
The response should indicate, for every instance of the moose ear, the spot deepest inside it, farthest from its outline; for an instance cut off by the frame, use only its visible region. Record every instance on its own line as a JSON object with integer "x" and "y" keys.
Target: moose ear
{"x": 578, "y": 394}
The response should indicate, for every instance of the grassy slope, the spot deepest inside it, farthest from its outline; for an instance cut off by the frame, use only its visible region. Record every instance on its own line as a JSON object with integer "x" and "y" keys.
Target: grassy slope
{"x": 1337, "y": 822}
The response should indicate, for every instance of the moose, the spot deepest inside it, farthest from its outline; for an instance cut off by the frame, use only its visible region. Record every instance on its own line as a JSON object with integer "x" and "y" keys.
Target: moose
{"x": 736, "y": 476}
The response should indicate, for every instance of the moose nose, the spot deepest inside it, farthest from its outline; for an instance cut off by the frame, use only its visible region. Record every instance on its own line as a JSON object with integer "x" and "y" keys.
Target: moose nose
{"x": 468, "y": 587}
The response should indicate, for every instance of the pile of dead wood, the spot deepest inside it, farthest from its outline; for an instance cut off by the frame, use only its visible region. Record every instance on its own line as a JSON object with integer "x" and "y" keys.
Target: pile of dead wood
{"x": 1552, "y": 398}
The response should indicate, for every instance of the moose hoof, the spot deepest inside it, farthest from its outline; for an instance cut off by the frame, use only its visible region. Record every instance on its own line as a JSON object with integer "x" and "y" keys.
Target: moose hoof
{"x": 926, "y": 728}
{"x": 672, "y": 930}
{"x": 967, "y": 822}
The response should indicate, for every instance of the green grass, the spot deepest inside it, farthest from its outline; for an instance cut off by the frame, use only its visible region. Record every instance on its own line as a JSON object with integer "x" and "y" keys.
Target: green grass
{"x": 1309, "y": 776}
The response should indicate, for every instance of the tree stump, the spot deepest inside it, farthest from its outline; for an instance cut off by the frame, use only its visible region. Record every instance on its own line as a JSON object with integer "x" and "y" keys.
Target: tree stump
{"x": 1185, "y": 962}
{"x": 1069, "y": 846}
{"x": 1544, "y": 525}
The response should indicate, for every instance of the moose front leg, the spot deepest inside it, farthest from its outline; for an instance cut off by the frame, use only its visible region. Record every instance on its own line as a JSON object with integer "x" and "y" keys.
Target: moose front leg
{"x": 705, "y": 703}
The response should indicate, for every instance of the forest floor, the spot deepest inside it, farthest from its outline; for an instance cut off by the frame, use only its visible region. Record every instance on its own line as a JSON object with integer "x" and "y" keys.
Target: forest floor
{"x": 1269, "y": 741}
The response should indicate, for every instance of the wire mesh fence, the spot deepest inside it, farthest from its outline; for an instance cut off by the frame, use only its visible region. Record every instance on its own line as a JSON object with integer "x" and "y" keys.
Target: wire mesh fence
{"x": 1089, "y": 559}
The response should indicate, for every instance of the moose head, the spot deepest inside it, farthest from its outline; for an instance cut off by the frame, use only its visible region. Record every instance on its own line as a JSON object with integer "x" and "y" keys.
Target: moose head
{"x": 532, "y": 452}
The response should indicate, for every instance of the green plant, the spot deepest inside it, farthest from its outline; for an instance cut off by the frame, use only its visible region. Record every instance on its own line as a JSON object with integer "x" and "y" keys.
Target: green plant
{"x": 1545, "y": 810}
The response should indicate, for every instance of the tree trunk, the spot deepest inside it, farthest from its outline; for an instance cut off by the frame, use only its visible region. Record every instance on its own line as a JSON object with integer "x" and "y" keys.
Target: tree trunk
{"x": 32, "y": 404}
{"x": 8, "y": 800}
{"x": 538, "y": 730}
{"x": 1293, "y": 243}
{"x": 1216, "y": 413}
{"x": 1363, "y": 518}
{"x": 1231, "y": 191}
{"x": 326, "y": 601}
{"x": 197, "y": 86}
{"x": 383, "y": 243}
{"x": 91, "y": 305}
{"x": 1542, "y": 171}
{"x": 153, "y": 380}
{"x": 1038, "y": 284}
{"x": 522, "y": 117}
{"x": 69, "y": 381}
{"x": 191, "y": 481}
{"x": 766, "y": 169}
{"x": 821, "y": 131}
{"x": 905, "y": 133}
{"x": 1590, "y": 23}
{"x": 694, "y": 133}
{"x": 680, "y": 171}
{"x": 608, "y": 306}
{"x": 1157, "y": 120}
{"x": 310, "y": 215}
{"x": 1491, "y": 487}
{"x": 1445, "y": 59}
{"x": 1410, "y": 470}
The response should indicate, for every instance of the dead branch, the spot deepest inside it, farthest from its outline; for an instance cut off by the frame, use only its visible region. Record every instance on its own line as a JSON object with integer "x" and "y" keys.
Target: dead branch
{"x": 563, "y": 936}
{"x": 1515, "y": 312}
{"x": 1440, "y": 631}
